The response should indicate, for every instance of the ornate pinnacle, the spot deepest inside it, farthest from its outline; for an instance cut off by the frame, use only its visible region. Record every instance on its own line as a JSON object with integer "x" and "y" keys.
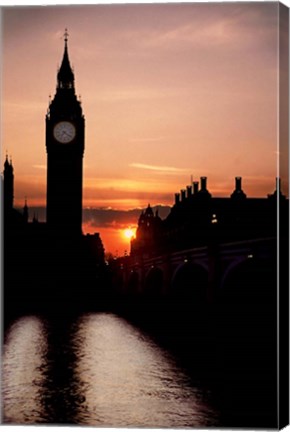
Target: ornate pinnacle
{"x": 65, "y": 35}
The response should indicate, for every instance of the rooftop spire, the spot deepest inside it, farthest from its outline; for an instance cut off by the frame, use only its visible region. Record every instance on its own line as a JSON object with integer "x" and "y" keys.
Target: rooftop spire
{"x": 66, "y": 35}
{"x": 65, "y": 76}
{"x": 6, "y": 163}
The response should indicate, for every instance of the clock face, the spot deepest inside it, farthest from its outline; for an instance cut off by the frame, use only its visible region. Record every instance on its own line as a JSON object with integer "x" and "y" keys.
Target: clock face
{"x": 64, "y": 132}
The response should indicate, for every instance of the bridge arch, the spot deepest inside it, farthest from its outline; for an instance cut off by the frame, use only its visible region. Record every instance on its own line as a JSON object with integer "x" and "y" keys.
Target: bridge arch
{"x": 246, "y": 331}
{"x": 247, "y": 300}
{"x": 250, "y": 283}
{"x": 189, "y": 283}
{"x": 187, "y": 301}
{"x": 228, "y": 271}
{"x": 153, "y": 285}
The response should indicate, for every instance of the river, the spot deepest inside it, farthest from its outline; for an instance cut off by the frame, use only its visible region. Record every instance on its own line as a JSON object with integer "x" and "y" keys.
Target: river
{"x": 97, "y": 370}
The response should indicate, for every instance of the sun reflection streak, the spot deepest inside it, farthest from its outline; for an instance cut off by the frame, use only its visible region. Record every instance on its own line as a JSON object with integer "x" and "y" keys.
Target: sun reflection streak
{"x": 128, "y": 381}
{"x": 22, "y": 372}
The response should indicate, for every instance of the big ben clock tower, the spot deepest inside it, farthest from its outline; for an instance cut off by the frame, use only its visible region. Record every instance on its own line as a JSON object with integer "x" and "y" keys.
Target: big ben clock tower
{"x": 65, "y": 127}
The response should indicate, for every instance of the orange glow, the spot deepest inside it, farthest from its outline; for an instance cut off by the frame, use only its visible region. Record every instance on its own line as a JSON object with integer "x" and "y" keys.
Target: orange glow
{"x": 147, "y": 129}
{"x": 158, "y": 123}
{"x": 113, "y": 242}
{"x": 129, "y": 233}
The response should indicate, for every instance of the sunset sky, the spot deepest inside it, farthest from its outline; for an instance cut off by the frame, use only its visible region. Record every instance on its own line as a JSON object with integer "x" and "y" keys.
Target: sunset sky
{"x": 169, "y": 91}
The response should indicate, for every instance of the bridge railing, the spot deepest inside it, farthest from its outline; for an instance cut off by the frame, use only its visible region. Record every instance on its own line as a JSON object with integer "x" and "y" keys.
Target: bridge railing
{"x": 202, "y": 252}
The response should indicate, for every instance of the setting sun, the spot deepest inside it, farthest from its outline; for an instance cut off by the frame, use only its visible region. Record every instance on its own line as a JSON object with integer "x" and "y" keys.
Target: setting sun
{"x": 129, "y": 233}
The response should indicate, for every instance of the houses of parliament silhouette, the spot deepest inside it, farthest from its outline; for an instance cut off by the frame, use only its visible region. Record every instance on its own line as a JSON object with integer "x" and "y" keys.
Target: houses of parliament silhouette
{"x": 54, "y": 261}
{"x": 198, "y": 219}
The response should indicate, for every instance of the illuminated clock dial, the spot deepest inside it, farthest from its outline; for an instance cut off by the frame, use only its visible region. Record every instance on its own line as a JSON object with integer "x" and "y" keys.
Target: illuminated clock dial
{"x": 64, "y": 132}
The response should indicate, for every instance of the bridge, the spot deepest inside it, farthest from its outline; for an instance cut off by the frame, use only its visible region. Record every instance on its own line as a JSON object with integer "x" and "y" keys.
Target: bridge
{"x": 201, "y": 273}
{"x": 217, "y": 305}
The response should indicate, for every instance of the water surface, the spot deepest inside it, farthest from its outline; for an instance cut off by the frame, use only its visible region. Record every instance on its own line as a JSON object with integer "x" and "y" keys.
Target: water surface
{"x": 96, "y": 370}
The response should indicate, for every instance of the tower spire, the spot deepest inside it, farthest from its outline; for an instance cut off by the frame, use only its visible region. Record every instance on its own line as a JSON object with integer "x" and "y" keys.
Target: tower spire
{"x": 66, "y": 35}
{"x": 6, "y": 163}
{"x": 25, "y": 211}
{"x": 8, "y": 184}
{"x": 65, "y": 76}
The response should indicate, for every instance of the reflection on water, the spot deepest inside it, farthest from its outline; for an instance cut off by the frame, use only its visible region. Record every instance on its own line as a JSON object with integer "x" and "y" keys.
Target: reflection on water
{"x": 22, "y": 371}
{"x": 129, "y": 381}
{"x": 98, "y": 370}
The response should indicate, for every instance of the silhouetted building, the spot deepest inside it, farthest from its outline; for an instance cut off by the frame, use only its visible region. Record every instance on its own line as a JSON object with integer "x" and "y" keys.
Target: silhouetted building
{"x": 148, "y": 233}
{"x": 8, "y": 185}
{"x": 238, "y": 193}
{"x": 198, "y": 219}
{"x": 14, "y": 220}
{"x": 47, "y": 263}
{"x": 65, "y": 127}
{"x": 95, "y": 252}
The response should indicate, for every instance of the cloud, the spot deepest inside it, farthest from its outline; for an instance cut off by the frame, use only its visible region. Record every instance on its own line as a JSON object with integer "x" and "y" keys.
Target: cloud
{"x": 118, "y": 219}
{"x": 202, "y": 26}
{"x": 105, "y": 217}
{"x": 163, "y": 169}
{"x": 130, "y": 193}
{"x": 36, "y": 211}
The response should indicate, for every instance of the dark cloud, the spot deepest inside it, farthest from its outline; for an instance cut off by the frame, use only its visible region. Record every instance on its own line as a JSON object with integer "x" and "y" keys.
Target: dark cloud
{"x": 105, "y": 218}
{"x": 38, "y": 212}
{"x": 117, "y": 218}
